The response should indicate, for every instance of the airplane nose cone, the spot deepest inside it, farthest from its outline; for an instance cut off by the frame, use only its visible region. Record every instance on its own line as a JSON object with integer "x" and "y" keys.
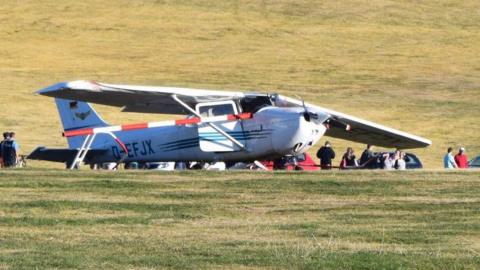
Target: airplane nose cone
{"x": 297, "y": 132}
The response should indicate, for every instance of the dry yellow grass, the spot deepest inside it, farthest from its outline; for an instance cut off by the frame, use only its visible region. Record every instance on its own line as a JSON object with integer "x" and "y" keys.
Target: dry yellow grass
{"x": 413, "y": 66}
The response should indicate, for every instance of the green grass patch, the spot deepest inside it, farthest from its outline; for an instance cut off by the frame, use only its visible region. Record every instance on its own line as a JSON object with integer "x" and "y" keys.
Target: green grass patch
{"x": 192, "y": 220}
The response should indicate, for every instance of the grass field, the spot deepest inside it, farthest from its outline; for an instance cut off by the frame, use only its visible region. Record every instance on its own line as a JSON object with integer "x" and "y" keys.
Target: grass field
{"x": 204, "y": 220}
{"x": 411, "y": 65}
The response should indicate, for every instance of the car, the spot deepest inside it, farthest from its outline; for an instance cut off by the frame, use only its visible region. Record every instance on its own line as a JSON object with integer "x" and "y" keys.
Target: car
{"x": 161, "y": 166}
{"x": 474, "y": 163}
{"x": 376, "y": 162}
{"x": 301, "y": 162}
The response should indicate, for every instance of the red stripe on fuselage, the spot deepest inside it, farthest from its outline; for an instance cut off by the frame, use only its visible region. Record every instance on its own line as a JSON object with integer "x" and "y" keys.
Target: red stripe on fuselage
{"x": 239, "y": 116}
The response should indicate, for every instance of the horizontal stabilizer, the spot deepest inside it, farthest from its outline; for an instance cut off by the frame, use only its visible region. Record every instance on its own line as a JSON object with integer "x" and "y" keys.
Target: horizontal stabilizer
{"x": 61, "y": 155}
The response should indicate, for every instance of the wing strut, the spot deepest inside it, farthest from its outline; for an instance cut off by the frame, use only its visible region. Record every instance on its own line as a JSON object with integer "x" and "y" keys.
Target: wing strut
{"x": 226, "y": 135}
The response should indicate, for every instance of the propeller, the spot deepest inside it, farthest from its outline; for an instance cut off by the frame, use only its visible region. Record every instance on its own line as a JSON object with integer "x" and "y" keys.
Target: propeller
{"x": 308, "y": 115}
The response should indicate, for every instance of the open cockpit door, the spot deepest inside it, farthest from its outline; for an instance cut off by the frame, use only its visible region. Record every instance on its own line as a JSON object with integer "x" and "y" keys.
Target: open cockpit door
{"x": 213, "y": 141}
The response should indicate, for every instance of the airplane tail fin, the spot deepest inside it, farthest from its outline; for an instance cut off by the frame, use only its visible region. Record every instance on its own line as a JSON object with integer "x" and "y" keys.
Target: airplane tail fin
{"x": 77, "y": 115}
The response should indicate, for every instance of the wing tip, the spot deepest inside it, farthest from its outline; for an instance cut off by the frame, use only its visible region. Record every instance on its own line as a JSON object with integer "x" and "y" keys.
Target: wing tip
{"x": 52, "y": 90}
{"x": 48, "y": 91}
{"x": 417, "y": 143}
{"x": 427, "y": 142}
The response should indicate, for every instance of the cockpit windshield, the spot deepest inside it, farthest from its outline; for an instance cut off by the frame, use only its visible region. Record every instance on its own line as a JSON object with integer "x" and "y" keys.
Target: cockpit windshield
{"x": 252, "y": 104}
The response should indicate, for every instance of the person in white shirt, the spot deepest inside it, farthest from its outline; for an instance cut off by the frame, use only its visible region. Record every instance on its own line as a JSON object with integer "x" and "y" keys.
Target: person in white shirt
{"x": 389, "y": 161}
{"x": 400, "y": 163}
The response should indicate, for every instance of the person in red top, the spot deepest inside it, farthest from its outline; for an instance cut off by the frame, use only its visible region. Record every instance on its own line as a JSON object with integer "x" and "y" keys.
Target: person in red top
{"x": 461, "y": 159}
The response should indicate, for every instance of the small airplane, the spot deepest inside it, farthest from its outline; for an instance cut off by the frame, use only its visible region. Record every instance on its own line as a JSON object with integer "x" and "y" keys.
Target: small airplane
{"x": 219, "y": 126}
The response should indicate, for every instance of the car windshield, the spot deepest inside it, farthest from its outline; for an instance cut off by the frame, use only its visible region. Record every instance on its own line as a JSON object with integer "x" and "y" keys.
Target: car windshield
{"x": 475, "y": 162}
{"x": 293, "y": 159}
{"x": 409, "y": 159}
{"x": 301, "y": 158}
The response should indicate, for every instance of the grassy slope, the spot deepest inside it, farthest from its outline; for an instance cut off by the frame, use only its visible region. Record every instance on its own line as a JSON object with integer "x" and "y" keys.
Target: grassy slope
{"x": 413, "y": 66}
{"x": 384, "y": 220}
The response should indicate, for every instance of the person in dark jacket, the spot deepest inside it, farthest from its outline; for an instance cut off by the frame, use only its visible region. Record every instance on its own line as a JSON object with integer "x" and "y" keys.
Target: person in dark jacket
{"x": 348, "y": 160}
{"x": 5, "y": 137}
{"x": 326, "y": 154}
{"x": 9, "y": 151}
{"x": 366, "y": 155}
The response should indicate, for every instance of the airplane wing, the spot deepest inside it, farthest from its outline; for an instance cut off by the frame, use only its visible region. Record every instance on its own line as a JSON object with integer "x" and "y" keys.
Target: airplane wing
{"x": 159, "y": 100}
{"x": 351, "y": 128}
{"x": 136, "y": 98}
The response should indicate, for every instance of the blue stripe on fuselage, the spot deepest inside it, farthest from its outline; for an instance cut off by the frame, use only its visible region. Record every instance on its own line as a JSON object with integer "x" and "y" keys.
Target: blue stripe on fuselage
{"x": 214, "y": 136}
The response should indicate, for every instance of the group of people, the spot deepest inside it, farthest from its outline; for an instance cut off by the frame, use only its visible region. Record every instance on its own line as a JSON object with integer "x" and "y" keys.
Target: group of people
{"x": 9, "y": 150}
{"x": 460, "y": 160}
{"x": 9, "y": 153}
{"x": 394, "y": 160}
{"x": 368, "y": 159}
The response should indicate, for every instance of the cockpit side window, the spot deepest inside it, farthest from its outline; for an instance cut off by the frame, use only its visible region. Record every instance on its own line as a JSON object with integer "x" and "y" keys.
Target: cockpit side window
{"x": 254, "y": 103}
{"x": 216, "y": 110}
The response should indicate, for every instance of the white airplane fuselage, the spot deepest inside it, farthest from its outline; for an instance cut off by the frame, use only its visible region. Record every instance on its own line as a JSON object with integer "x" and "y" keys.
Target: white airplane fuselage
{"x": 272, "y": 132}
